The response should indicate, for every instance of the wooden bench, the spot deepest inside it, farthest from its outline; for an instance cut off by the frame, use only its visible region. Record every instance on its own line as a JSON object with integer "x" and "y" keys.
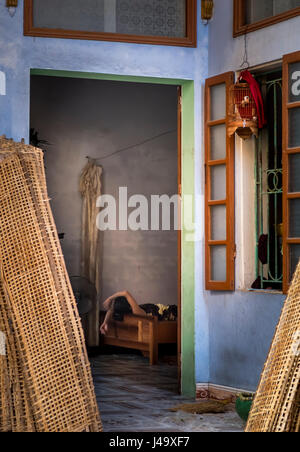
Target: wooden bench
{"x": 141, "y": 333}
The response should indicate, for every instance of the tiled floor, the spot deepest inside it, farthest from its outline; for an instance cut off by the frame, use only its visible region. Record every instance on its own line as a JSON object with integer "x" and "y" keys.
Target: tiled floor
{"x": 134, "y": 397}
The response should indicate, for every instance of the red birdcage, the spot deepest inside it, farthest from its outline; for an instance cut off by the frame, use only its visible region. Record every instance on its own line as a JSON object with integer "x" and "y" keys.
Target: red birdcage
{"x": 244, "y": 101}
{"x": 243, "y": 112}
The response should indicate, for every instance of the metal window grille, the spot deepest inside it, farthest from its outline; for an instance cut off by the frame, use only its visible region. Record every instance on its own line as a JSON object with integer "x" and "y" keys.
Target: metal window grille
{"x": 268, "y": 176}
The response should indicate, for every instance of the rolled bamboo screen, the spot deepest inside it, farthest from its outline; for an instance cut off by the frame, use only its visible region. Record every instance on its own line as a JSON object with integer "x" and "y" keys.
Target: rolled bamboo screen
{"x": 45, "y": 377}
{"x": 276, "y": 407}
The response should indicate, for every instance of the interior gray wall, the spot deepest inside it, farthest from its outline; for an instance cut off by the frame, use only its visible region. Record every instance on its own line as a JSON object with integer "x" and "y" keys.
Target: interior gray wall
{"x": 96, "y": 118}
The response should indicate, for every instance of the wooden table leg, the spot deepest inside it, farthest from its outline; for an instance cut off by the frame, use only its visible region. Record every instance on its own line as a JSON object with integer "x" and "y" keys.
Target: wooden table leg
{"x": 153, "y": 344}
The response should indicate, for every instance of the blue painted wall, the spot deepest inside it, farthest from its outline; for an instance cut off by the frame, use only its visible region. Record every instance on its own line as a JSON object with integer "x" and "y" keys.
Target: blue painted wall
{"x": 18, "y": 54}
{"x": 241, "y": 327}
{"x": 265, "y": 45}
{"x": 242, "y": 324}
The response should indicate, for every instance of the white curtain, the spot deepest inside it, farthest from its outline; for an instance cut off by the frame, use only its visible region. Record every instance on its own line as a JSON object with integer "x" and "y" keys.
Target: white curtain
{"x": 90, "y": 189}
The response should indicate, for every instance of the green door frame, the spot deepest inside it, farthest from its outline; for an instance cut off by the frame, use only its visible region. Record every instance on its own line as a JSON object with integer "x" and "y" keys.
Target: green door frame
{"x": 188, "y": 381}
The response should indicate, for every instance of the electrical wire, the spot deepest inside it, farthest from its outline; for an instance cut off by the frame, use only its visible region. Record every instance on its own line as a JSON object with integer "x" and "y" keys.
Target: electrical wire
{"x": 132, "y": 146}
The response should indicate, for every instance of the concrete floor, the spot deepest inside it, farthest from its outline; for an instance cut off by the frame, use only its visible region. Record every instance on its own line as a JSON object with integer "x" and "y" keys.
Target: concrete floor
{"x": 134, "y": 397}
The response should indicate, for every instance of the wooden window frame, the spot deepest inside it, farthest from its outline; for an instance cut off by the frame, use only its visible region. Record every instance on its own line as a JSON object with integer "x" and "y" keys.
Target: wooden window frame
{"x": 286, "y": 107}
{"x": 239, "y": 27}
{"x": 189, "y": 41}
{"x": 229, "y": 202}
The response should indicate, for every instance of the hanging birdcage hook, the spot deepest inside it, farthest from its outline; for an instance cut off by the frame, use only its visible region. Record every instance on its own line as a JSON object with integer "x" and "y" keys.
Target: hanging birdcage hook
{"x": 245, "y": 63}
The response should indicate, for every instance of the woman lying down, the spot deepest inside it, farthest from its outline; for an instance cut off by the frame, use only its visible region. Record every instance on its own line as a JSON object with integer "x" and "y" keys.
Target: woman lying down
{"x": 122, "y": 303}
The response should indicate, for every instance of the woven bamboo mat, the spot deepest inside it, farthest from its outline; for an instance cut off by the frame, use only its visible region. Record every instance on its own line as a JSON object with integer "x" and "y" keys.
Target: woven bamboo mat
{"x": 15, "y": 412}
{"x": 276, "y": 407}
{"x": 47, "y": 356}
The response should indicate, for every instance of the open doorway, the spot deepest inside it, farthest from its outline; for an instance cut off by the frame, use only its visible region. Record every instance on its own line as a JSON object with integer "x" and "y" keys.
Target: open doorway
{"x": 133, "y": 130}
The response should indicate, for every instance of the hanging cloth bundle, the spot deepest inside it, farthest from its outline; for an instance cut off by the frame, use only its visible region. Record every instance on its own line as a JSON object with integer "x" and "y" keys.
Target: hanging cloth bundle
{"x": 90, "y": 189}
{"x": 256, "y": 93}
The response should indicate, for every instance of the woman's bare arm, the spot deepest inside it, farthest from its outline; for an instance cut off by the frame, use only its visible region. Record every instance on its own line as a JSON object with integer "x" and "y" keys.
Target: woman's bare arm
{"x": 105, "y": 324}
{"x": 107, "y": 303}
{"x": 131, "y": 300}
{"x": 134, "y": 305}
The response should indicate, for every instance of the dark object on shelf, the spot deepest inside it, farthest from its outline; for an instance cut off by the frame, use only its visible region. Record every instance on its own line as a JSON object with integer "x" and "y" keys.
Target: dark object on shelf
{"x": 257, "y": 284}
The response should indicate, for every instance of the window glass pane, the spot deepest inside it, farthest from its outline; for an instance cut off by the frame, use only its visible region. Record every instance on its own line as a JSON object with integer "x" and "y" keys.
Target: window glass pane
{"x": 218, "y": 102}
{"x": 294, "y": 128}
{"x": 257, "y": 10}
{"x": 294, "y": 217}
{"x": 218, "y": 222}
{"x": 294, "y": 258}
{"x": 294, "y": 82}
{"x": 153, "y": 18}
{"x": 218, "y": 263}
{"x": 218, "y": 182}
{"x": 136, "y": 17}
{"x": 81, "y": 15}
{"x": 294, "y": 173}
{"x": 218, "y": 142}
{"x": 281, "y": 6}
